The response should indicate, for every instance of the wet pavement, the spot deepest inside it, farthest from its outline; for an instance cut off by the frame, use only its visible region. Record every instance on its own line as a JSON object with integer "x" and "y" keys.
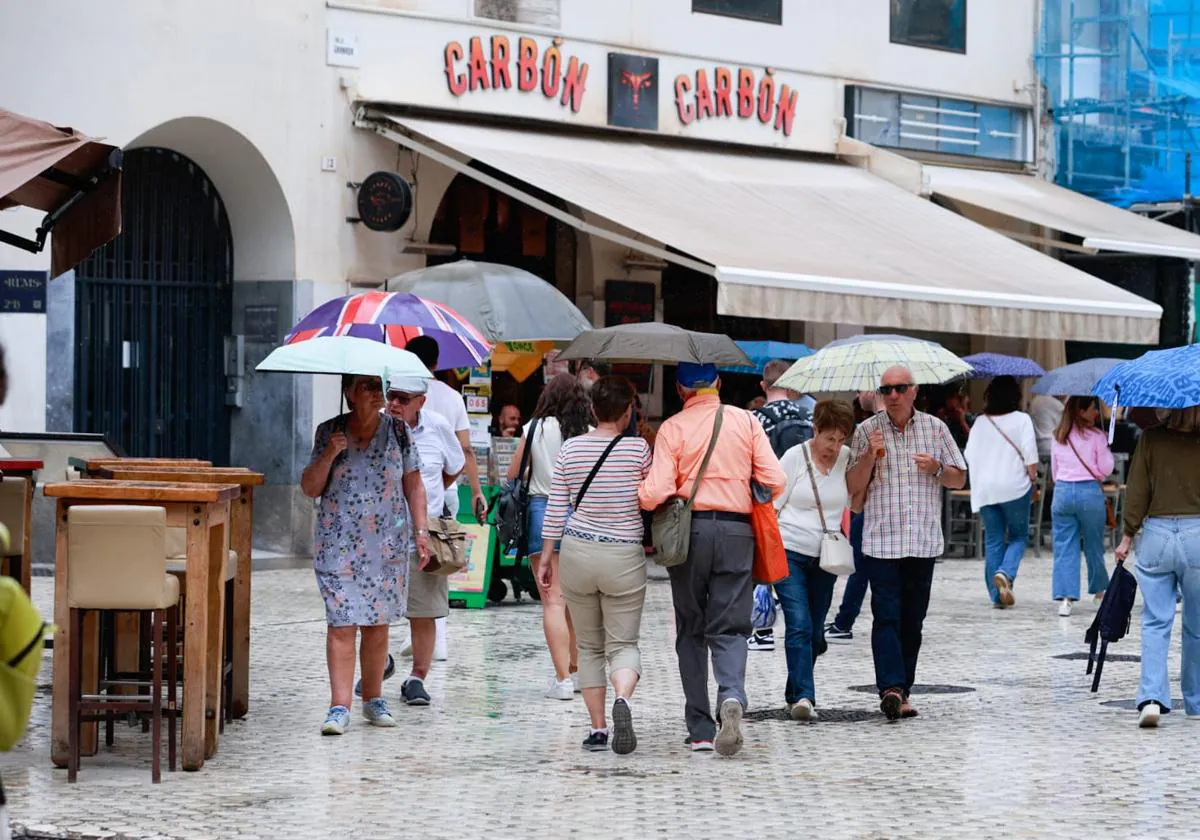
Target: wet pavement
{"x": 1010, "y": 742}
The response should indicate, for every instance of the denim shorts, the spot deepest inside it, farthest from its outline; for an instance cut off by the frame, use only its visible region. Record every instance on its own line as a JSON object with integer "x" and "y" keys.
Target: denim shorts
{"x": 537, "y": 515}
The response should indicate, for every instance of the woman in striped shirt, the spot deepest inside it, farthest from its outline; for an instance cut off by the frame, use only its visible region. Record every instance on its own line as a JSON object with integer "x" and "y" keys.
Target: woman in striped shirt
{"x": 602, "y": 567}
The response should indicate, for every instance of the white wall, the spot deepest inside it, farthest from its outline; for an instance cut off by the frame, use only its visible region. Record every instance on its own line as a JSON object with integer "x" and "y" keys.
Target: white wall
{"x": 23, "y": 336}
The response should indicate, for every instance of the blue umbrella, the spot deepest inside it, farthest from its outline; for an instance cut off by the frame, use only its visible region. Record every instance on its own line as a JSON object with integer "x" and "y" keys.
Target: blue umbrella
{"x": 1074, "y": 380}
{"x": 1159, "y": 379}
{"x": 761, "y": 352}
{"x": 991, "y": 365}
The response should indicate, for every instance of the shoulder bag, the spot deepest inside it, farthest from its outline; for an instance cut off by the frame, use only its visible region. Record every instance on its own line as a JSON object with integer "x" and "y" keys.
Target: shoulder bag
{"x": 836, "y": 555}
{"x": 1020, "y": 455}
{"x": 671, "y": 527}
{"x": 512, "y": 505}
{"x": 1110, "y": 516}
{"x": 447, "y": 544}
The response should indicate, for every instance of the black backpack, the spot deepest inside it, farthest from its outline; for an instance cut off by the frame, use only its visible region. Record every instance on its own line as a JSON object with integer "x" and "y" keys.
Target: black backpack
{"x": 793, "y": 429}
{"x": 1112, "y": 619}
{"x": 512, "y": 505}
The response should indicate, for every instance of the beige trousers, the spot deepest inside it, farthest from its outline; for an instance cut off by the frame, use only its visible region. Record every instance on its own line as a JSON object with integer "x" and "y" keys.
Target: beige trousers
{"x": 604, "y": 585}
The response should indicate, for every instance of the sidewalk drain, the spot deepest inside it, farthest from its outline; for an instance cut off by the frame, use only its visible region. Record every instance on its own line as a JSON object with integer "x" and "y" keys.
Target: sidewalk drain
{"x": 920, "y": 689}
{"x": 1108, "y": 657}
{"x": 827, "y": 715}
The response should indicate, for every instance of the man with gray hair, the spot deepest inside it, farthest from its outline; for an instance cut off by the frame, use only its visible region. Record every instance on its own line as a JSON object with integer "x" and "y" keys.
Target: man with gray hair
{"x": 712, "y": 590}
{"x": 904, "y": 458}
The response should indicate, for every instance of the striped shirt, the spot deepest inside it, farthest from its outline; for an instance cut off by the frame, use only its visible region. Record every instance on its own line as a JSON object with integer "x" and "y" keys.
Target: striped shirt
{"x": 903, "y": 514}
{"x": 610, "y": 509}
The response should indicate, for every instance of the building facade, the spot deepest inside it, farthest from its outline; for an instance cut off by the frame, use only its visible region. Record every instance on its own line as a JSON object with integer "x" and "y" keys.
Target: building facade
{"x": 781, "y": 188}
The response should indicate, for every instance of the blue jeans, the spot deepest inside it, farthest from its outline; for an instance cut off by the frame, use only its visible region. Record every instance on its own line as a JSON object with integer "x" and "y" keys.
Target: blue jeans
{"x": 856, "y": 584}
{"x": 1005, "y": 535}
{"x": 1168, "y": 558}
{"x": 899, "y": 601}
{"x": 804, "y": 595}
{"x": 537, "y": 515}
{"x": 1078, "y": 515}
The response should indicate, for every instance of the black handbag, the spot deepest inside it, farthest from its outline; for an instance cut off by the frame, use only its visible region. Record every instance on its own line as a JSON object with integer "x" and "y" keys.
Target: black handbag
{"x": 1111, "y": 623}
{"x": 512, "y": 505}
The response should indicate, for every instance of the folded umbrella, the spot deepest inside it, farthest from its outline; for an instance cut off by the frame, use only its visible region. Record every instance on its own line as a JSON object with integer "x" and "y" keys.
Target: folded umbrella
{"x": 991, "y": 365}
{"x": 1074, "y": 380}
{"x": 342, "y": 355}
{"x": 654, "y": 342}
{"x": 857, "y": 363}
{"x": 1158, "y": 379}
{"x": 396, "y": 318}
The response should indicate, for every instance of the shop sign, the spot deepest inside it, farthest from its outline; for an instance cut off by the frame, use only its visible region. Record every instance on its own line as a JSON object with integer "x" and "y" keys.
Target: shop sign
{"x": 23, "y": 291}
{"x": 633, "y": 91}
{"x": 500, "y": 66}
{"x": 742, "y": 94}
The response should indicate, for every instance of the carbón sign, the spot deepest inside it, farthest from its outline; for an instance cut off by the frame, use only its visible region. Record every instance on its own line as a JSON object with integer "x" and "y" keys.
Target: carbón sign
{"x": 746, "y": 98}
{"x": 501, "y": 67}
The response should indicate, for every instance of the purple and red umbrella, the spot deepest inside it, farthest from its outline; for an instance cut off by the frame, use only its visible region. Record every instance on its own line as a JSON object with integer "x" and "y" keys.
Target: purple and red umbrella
{"x": 395, "y": 318}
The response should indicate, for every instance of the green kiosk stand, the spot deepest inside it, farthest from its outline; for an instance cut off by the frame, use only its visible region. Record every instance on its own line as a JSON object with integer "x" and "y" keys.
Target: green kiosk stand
{"x": 487, "y": 568}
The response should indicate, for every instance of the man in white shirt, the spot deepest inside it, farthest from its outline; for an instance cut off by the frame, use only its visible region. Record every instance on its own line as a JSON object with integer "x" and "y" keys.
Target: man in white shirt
{"x": 444, "y": 400}
{"x": 441, "y": 462}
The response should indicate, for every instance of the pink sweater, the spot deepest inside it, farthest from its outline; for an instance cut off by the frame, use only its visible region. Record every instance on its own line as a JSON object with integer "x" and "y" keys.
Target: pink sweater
{"x": 1093, "y": 449}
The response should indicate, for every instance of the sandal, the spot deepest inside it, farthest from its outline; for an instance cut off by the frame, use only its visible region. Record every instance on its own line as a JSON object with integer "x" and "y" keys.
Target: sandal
{"x": 891, "y": 702}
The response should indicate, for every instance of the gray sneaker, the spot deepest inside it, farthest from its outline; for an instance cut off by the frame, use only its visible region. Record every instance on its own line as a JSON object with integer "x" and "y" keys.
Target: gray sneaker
{"x": 377, "y": 713}
{"x": 389, "y": 671}
{"x": 729, "y": 737}
{"x": 336, "y": 721}
{"x": 413, "y": 692}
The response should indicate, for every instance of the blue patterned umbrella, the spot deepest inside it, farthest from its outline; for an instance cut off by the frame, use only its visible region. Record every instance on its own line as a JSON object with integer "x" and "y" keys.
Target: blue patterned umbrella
{"x": 1158, "y": 379}
{"x": 991, "y": 365}
{"x": 761, "y": 352}
{"x": 1074, "y": 380}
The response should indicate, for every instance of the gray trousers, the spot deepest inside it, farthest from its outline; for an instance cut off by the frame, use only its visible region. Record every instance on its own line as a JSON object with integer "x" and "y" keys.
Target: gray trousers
{"x": 714, "y": 599}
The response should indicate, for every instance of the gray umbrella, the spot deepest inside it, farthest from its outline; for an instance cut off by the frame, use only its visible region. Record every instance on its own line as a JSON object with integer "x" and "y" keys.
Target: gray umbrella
{"x": 505, "y": 303}
{"x": 1078, "y": 379}
{"x": 655, "y": 343}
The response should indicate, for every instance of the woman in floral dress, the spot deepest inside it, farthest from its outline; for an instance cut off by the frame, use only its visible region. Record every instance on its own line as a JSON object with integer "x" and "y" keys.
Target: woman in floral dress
{"x": 372, "y": 517}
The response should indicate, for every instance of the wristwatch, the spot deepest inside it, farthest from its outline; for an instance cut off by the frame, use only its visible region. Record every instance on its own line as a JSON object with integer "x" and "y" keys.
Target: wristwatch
{"x": 940, "y": 470}
{"x": 422, "y": 532}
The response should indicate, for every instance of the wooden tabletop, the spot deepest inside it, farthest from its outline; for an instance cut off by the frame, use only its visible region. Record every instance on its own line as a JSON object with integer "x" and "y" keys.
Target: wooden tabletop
{"x": 211, "y": 475}
{"x": 20, "y": 465}
{"x": 142, "y": 491}
{"x": 96, "y": 463}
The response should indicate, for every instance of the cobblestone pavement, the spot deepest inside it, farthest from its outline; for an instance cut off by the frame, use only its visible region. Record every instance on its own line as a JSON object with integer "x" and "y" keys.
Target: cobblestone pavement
{"x": 1028, "y": 752}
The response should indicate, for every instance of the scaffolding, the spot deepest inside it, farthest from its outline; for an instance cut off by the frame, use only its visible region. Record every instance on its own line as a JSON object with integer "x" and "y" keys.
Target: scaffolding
{"x": 1122, "y": 79}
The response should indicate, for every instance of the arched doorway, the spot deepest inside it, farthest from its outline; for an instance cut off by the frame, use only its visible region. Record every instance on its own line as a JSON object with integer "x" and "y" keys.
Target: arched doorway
{"x": 153, "y": 308}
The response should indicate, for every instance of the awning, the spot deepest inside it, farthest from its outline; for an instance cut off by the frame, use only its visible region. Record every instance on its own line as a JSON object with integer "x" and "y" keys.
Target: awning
{"x": 1099, "y": 225}
{"x": 794, "y": 239}
{"x": 74, "y": 179}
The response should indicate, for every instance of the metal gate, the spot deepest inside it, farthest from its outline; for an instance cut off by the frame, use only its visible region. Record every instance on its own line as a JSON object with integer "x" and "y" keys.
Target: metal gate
{"x": 152, "y": 309}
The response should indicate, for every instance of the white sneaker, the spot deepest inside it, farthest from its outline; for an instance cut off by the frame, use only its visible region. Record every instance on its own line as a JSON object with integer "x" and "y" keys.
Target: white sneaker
{"x": 560, "y": 689}
{"x": 1148, "y": 719}
{"x": 406, "y": 650}
{"x": 802, "y": 710}
{"x": 1064, "y": 607}
{"x": 440, "y": 648}
{"x": 575, "y": 682}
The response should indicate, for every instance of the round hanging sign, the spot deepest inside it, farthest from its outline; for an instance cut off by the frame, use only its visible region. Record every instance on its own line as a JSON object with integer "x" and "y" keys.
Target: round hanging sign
{"x": 384, "y": 201}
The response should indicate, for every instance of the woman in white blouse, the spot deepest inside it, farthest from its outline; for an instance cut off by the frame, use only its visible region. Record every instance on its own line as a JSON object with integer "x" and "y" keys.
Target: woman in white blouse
{"x": 1002, "y": 456}
{"x": 806, "y": 592}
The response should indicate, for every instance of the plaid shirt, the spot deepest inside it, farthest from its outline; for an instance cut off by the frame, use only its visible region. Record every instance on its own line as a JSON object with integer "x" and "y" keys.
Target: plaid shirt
{"x": 903, "y": 513}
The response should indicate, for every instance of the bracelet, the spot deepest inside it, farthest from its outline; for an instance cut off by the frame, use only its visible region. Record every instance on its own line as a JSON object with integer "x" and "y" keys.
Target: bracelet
{"x": 422, "y": 532}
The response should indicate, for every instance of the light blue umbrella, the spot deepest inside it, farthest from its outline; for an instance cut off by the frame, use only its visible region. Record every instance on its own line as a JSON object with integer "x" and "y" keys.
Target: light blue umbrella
{"x": 1158, "y": 379}
{"x": 344, "y": 354}
{"x": 991, "y": 365}
{"x": 761, "y": 352}
{"x": 857, "y": 363}
{"x": 1074, "y": 380}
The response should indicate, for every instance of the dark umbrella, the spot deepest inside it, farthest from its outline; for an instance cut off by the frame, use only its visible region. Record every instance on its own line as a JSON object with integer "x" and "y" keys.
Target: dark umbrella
{"x": 1074, "y": 380}
{"x": 991, "y": 365}
{"x": 654, "y": 343}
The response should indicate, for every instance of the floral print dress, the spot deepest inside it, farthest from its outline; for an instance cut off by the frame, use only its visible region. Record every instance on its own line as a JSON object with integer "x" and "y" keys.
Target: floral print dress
{"x": 363, "y": 533}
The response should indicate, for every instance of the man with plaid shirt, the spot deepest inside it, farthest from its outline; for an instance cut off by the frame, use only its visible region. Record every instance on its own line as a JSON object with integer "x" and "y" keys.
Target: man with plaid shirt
{"x": 904, "y": 458}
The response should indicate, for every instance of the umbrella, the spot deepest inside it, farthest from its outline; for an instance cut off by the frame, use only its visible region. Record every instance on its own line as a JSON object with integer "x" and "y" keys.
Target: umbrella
{"x": 395, "y": 319}
{"x": 857, "y": 363}
{"x": 654, "y": 342}
{"x": 761, "y": 352}
{"x": 520, "y": 359}
{"x": 1158, "y": 379}
{"x": 506, "y": 303}
{"x": 1074, "y": 380}
{"x": 344, "y": 354}
{"x": 991, "y": 365}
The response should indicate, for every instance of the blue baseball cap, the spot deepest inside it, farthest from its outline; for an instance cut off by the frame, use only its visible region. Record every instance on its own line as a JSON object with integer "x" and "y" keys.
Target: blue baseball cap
{"x": 690, "y": 374}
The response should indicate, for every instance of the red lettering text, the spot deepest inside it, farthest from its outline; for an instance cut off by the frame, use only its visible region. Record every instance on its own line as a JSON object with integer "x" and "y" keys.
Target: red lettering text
{"x": 687, "y": 111}
{"x": 766, "y": 100}
{"x": 501, "y": 72}
{"x": 704, "y": 101}
{"x": 574, "y": 84}
{"x": 786, "y": 112}
{"x": 745, "y": 93}
{"x": 479, "y": 68}
{"x": 723, "y": 78}
{"x": 456, "y": 82}
{"x": 527, "y": 72}
{"x": 551, "y": 68}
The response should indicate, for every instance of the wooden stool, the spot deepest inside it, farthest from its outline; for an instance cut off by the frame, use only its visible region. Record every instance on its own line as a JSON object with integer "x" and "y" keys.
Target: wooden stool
{"x": 12, "y": 514}
{"x": 118, "y": 562}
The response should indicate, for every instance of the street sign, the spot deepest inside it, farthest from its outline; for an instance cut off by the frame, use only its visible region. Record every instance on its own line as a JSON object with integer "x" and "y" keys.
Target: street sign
{"x": 23, "y": 291}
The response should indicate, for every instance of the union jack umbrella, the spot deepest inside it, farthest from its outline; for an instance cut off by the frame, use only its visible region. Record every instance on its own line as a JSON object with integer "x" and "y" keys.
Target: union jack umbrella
{"x": 396, "y": 318}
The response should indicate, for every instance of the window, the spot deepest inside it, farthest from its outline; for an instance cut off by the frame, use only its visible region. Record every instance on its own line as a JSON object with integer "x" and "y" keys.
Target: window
{"x": 937, "y": 124}
{"x": 767, "y": 11}
{"x": 934, "y": 24}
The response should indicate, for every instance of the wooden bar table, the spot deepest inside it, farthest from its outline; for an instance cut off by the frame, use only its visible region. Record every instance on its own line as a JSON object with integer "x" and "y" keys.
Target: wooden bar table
{"x": 204, "y": 510}
{"x": 27, "y": 469}
{"x": 90, "y": 465}
{"x": 241, "y": 540}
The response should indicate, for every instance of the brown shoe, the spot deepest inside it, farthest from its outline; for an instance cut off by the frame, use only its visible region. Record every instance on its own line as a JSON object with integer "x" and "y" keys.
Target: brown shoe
{"x": 907, "y": 710}
{"x": 891, "y": 703}
{"x": 1004, "y": 589}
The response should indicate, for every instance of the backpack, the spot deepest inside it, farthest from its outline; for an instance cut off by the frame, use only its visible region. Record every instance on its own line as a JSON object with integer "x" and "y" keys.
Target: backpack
{"x": 512, "y": 505}
{"x": 793, "y": 428}
{"x": 1112, "y": 619}
{"x": 22, "y": 631}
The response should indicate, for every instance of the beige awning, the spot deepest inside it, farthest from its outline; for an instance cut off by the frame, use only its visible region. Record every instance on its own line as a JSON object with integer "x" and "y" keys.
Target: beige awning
{"x": 1099, "y": 225}
{"x": 795, "y": 239}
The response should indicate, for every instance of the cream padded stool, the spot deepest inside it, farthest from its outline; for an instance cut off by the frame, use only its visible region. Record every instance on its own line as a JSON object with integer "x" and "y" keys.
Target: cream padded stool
{"x": 117, "y": 561}
{"x": 12, "y": 514}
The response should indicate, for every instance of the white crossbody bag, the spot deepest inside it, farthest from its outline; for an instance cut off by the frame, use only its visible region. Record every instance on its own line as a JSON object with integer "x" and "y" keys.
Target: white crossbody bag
{"x": 837, "y": 555}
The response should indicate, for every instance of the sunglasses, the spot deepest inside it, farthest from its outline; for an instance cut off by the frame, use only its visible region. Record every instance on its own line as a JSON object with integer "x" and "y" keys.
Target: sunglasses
{"x": 886, "y": 390}
{"x": 400, "y": 397}
{"x": 371, "y": 386}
